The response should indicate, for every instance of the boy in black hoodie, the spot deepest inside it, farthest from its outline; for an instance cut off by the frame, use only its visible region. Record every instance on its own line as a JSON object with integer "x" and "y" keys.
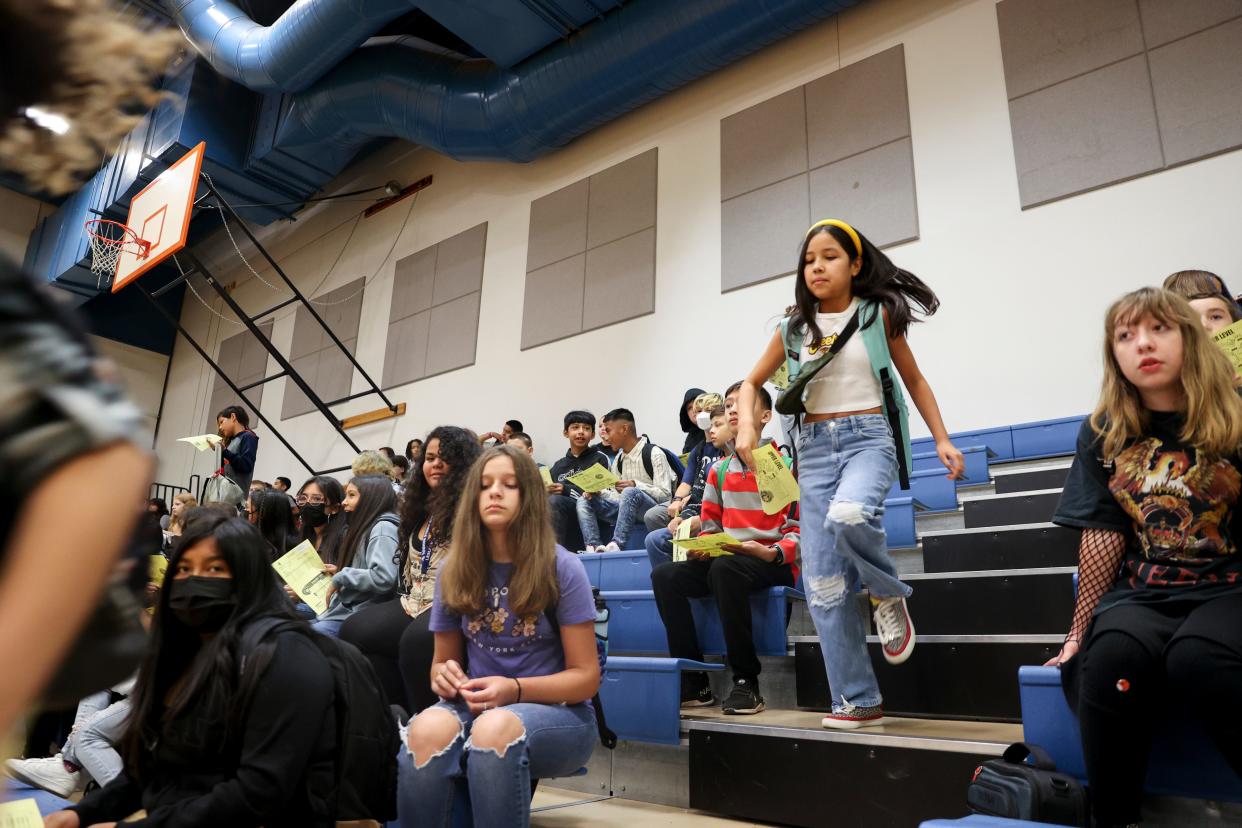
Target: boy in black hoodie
{"x": 562, "y": 495}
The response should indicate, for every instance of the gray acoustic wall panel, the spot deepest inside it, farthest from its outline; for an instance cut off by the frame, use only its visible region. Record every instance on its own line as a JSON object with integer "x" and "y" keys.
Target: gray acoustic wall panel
{"x": 763, "y": 144}
{"x": 558, "y": 225}
{"x": 244, "y": 360}
{"x": 1198, "y": 88}
{"x": 861, "y": 106}
{"x": 315, "y": 356}
{"x": 1168, "y": 20}
{"x": 433, "y": 322}
{"x": 872, "y": 188}
{"x": 552, "y": 306}
{"x": 1048, "y": 41}
{"x": 759, "y": 233}
{"x": 838, "y": 147}
{"x": 620, "y": 280}
{"x": 1101, "y": 91}
{"x": 599, "y": 267}
{"x": 1093, "y": 130}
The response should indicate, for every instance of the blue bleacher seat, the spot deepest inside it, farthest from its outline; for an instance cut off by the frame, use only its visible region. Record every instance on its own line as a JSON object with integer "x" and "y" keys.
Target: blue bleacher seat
{"x": 976, "y": 458}
{"x": 931, "y": 488}
{"x": 999, "y": 440}
{"x": 898, "y": 520}
{"x": 981, "y": 821}
{"x": 642, "y": 696}
{"x": 769, "y": 613}
{"x": 1047, "y": 438}
{"x": 638, "y": 536}
{"x": 1183, "y": 762}
{"x": 634, "y": 625}
{"x": 626, "y": 570}
{"x": 47, "y": 803}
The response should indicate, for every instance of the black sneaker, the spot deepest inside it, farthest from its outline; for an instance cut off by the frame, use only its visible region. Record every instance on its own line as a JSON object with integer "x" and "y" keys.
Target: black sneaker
{"x": 745, "y": 699}
{"x": 696, "y": 691}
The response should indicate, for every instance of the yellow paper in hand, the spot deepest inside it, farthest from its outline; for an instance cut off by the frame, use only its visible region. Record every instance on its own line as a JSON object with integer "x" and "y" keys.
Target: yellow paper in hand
{"x": 20, "y": 813}
{"x": 302, "y": 570}
{"x": 595, "y": 479}
{"x": 202, "y": 442}
{"x": 711, "y": 544}
{"x": 777, "y": 487}
{"x": 159, "y": 566}
{"x": 1230, "y": 341}
{"x": 546, "y": 475}
{"x": 781, "y": 378}
{"x": 683, "y": 533}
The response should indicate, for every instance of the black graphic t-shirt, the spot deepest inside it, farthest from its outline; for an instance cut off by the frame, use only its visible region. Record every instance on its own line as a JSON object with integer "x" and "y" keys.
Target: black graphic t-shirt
{"x": 1178, "y": 512}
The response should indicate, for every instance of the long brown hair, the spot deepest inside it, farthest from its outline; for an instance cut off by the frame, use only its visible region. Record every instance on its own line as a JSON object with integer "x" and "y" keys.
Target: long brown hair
{"x": 1213, "y": 408}
{"x": 533, "y": 587}
{"x": 375, "y": 498}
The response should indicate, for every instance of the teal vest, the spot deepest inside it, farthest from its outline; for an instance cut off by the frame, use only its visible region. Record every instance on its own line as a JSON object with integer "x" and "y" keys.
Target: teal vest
{"x": 875, "y": 339}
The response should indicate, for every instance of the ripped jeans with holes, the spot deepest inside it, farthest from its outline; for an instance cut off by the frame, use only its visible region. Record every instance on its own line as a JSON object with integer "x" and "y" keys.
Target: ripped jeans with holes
{"x": 846, "y": 468}
{"x": 557, "y": 740}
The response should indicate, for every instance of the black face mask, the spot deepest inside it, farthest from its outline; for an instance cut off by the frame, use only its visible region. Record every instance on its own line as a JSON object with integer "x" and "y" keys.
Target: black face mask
{"x": 202, "y": 604}
{"x": 313, "y": 515}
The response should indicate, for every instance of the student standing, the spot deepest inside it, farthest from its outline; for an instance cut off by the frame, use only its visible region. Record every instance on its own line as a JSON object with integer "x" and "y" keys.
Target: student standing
{"x": 847, "y": 449}
{"x": 1157, "y": 628}
{"x": 241, "y": 445}
{"x": 520, "y": 709}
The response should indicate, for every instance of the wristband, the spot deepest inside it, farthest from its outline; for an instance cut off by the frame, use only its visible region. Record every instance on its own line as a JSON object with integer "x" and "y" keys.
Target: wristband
{"x": 519, "y": 687}
{"x": 779, "y": 560}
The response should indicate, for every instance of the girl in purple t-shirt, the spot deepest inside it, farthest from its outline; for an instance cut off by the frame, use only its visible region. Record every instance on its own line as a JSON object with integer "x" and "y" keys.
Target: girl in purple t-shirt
{"x": 519, "y": 710}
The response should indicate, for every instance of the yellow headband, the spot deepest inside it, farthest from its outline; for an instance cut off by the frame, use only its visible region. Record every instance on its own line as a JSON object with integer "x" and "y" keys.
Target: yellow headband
{"x": 850, "y": 231}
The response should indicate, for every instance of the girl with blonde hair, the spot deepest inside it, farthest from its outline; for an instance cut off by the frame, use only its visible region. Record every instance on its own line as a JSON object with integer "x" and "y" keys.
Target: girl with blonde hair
{"x": 523, "y": 607}
{"x": 1154, "y": 488}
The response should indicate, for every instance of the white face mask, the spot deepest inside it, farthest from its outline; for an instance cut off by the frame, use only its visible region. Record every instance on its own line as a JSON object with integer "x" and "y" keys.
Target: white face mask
{"x": 703, "y": 420}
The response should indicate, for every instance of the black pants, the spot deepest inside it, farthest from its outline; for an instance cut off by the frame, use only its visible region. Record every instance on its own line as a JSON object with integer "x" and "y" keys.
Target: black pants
{"x": 731, "y": 579}
{"x": 400, "y": 649}
{"x": 565, "y": 522}
{"x": 1148, "y": 667}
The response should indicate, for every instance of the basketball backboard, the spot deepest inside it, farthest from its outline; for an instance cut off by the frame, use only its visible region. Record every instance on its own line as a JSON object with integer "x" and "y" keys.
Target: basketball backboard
{"x": 160, "y": 215}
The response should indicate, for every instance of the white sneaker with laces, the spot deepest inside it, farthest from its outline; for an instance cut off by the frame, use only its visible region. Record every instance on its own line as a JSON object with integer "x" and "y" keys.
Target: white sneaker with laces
{"x": 612, "y": 546}
{"x": 48, "y": 774}
{"x": 895, "y": 628}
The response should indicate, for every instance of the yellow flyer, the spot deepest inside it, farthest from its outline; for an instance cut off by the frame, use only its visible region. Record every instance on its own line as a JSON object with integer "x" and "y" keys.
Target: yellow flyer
{"x": 202, "y": 442}
{"x": 20, "y": 813}
{"x": 302, "y": 570}
{"x": 595, "y": 479}
{"x": 159, "y": 566}
{"x": 777, "y": 487}
{"x": 781, "y": 378}
{"x": 683, "y": 533}
{"x": 546, "y": 475}
{"x": 711, "y": 544}
{"x": 1230, "y": 341}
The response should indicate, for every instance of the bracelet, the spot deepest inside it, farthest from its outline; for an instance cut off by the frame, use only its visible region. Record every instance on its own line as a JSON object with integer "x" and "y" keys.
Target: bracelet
{"x": 519, "y": 687}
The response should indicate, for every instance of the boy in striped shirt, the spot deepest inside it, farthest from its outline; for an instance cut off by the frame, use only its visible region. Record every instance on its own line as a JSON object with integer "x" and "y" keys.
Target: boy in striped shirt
{"x": 766, "y": 557}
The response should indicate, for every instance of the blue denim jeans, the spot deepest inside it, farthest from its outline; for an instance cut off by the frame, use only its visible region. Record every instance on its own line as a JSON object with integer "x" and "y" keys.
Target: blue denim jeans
{"x": 330, "y": 627}
{"x": 846, "y": 468}
{"x": 558, "y": 741}
{"x": 93, "y": 744}
{"x": 622, "y": 513}
{"x": 660, "y": 547}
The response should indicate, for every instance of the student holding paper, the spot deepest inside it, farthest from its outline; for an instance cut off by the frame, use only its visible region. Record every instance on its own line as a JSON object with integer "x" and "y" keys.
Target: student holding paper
{"x": 394, "y": 635}
{"x": 765, "y": 557}
{"x": 366, "y": 569}
{"x": 207, "y": 744}
{"x": 521, "y": 609}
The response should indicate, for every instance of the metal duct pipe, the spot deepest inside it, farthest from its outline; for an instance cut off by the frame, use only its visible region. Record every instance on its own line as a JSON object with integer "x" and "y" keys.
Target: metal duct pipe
{"x": 310, "y": 38}
{"x": 474, "y": 110}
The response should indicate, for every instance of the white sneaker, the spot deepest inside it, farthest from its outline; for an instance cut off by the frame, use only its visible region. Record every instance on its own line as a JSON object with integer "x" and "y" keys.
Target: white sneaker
{"x": 590, "y": 550}
{"x": 48, "y": 774}
{"x": 895, "y": 628}
{"x": 612, "y": 546}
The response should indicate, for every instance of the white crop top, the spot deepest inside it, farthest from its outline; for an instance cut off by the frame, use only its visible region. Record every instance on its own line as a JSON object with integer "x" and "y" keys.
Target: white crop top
{"x": 848, "y": 383}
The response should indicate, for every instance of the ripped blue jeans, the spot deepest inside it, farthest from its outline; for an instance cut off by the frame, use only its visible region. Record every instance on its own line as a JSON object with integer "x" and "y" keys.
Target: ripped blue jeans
{"x": 846, "y": 468}
{"x": 558, "y": 740}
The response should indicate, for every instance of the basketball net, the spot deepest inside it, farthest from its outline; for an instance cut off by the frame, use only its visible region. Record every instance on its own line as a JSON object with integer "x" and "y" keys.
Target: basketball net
{"x": 108, "y": 239}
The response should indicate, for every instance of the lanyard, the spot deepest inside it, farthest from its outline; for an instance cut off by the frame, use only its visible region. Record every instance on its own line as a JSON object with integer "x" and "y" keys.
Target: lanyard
{"x": 424, "y": 560}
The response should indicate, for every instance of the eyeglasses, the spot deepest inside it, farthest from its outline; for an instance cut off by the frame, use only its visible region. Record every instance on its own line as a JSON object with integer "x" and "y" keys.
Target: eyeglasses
{"x": 303, "y": 499}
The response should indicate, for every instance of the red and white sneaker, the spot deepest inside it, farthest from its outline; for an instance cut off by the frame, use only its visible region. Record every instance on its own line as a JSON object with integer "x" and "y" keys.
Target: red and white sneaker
{"x": 850, "y": 717}
{"x": 895, "y": 628}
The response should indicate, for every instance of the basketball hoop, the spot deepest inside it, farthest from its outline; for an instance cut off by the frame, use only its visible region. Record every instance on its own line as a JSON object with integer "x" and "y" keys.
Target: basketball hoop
{"x": 108, "y": 239}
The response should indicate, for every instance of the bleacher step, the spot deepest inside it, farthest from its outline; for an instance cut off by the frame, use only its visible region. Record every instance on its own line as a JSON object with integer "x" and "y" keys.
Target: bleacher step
{"x": 980, "y": 602}
{"x": 1009, "y": 509}
{"x": 1023, "y": 546}
{"x": 1031, "y": 478}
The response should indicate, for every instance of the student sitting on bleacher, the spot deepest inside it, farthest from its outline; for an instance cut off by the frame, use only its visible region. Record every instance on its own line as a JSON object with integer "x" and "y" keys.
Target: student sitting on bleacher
{"x": 646, "y": 478}
{"x": 766, "y": 557}
{"x": 697, "y": 461}
{"x": 1155, "y": 487}
{"x": 207, "y": 743}
{"x": 517, "y": 610}
{"x": 563, "y": 495}
{"x": 1208, "y": 297}
{"x": 688, "y": 501}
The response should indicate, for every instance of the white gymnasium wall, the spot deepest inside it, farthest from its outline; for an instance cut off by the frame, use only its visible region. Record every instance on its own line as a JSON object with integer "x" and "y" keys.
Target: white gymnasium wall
{"x": 18, "y": 216}
{"x": 143, "y": 372}
{"x": 1023, "y": 292}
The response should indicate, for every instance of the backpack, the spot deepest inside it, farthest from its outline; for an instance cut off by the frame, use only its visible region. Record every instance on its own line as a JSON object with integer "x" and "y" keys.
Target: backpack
{"x": 366, "y": 738}
{"x": 1009, "y": 787}
{"x": 674, "y": 461}
{"x": 606, "y": 736}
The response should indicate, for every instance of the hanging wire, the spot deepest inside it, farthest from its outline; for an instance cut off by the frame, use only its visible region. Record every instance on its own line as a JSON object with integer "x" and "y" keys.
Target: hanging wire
{"x": 200, "y": 298}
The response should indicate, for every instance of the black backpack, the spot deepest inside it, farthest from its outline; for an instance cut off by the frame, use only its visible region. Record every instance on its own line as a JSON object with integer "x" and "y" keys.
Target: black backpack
{"x": 366, "y": 737}
{"x": 674, "y": 461}
{"x": 606, "y": 736}
{"x": 1009, "y": 787}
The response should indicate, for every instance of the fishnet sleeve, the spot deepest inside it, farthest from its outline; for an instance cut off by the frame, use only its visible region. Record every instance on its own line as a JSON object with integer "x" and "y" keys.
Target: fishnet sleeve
{"x": 1099, "y": 556}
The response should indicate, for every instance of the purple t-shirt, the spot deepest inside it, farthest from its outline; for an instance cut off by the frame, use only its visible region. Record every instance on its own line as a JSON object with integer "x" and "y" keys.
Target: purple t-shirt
{"x": 499, "y": 644}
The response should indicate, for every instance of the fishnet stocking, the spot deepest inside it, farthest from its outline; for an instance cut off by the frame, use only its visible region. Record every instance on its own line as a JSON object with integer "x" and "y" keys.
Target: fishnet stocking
{"x": 1099, "y": 556}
